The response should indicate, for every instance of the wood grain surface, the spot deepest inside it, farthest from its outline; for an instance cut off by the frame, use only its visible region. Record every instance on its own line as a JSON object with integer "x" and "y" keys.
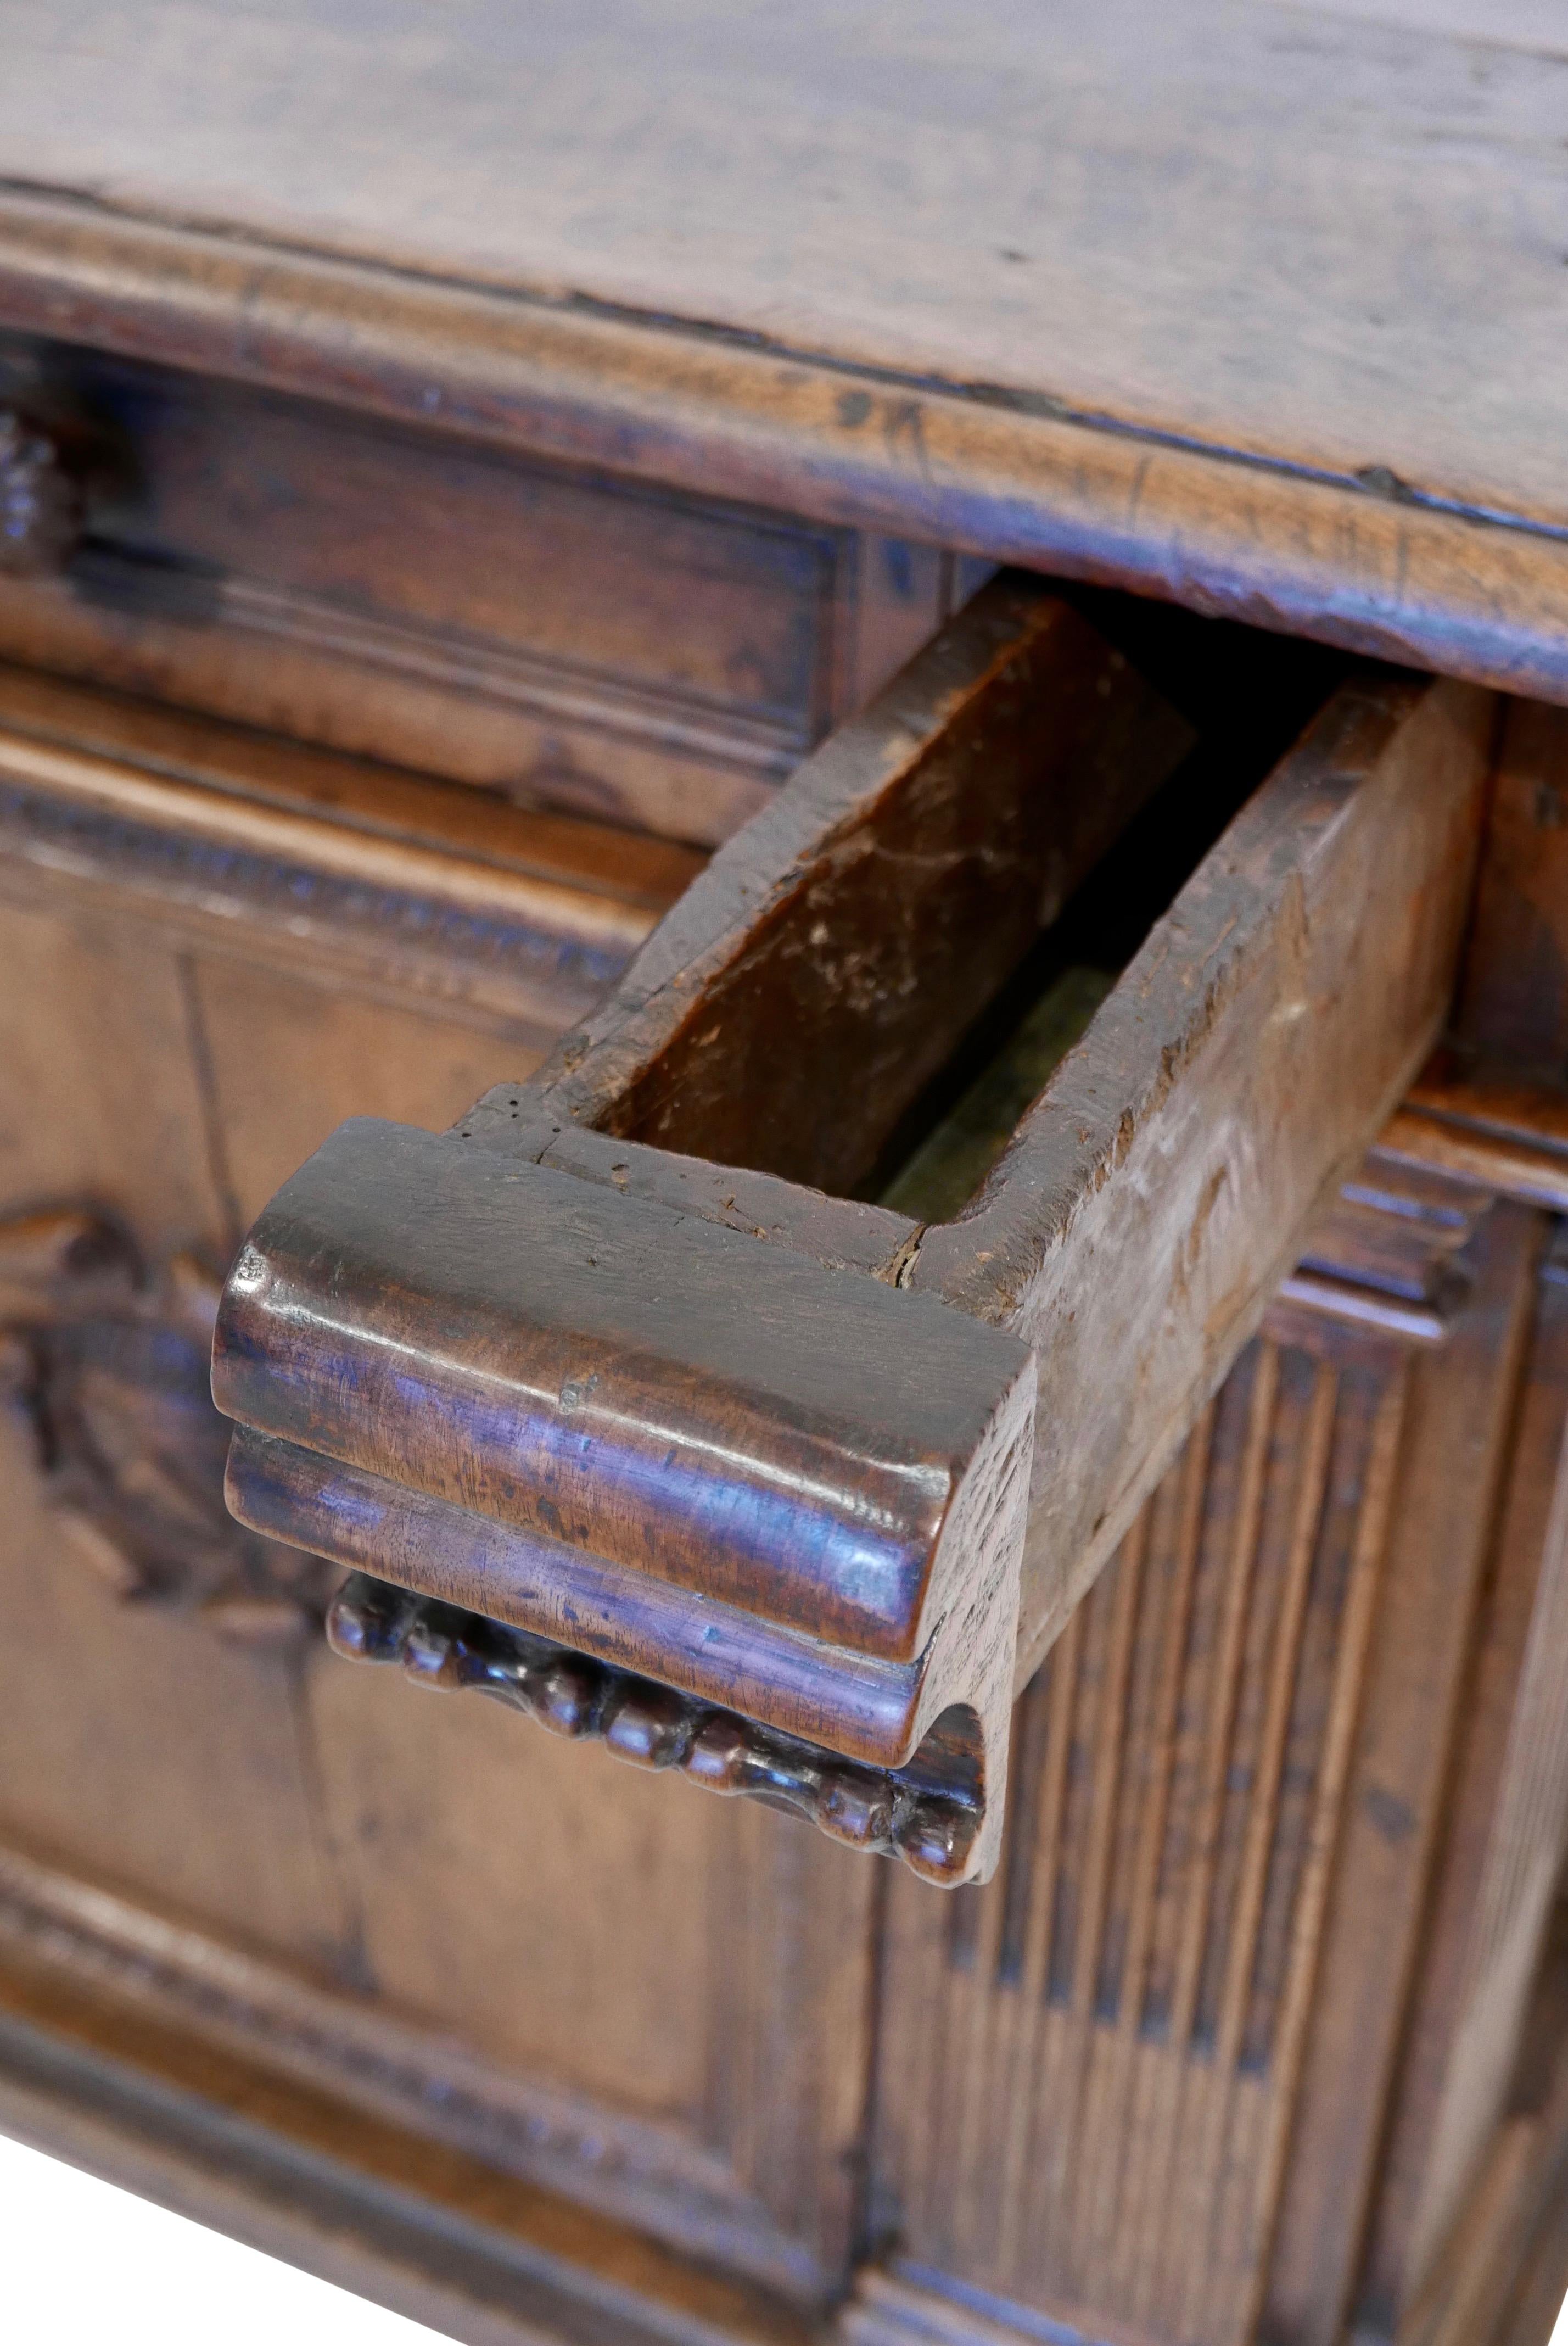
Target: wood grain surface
{"x": 1160, "y": 1188}
{"x": 574, "y": 403}
{"x": 1217, "y": 2053}
{"x": 1098, "y": 289}
{"x": 824, "y": 966}
{"x": 1156, "y": 216}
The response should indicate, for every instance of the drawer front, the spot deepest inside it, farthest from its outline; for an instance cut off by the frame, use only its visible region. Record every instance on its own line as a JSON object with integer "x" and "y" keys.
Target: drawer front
{"x": 786, "y": 1491}
{"x": 566, "y": 639}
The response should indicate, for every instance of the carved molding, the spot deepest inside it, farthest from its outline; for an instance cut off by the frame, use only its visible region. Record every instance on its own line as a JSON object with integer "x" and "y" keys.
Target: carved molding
{"x": 1159, "y": 1911}
{"x": 659, "y": 713}
{"x": 107, "y": 1369}
{"x": 927, "y": 1814}
{"x": 1389, "y": 1259}
{"x": 908, "y": 2305}
{"x": 1205, "y": 1794}
{"x": 405, "y": 915}
{"x": 655, "y": 2176}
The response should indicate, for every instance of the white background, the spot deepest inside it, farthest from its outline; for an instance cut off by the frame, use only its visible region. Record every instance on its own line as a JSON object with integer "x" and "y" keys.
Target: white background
{"x": 83, "y": 2261}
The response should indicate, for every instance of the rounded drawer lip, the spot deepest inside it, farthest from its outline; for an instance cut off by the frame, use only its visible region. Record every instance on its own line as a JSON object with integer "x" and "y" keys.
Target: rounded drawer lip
{"x": 662, "y": 1397}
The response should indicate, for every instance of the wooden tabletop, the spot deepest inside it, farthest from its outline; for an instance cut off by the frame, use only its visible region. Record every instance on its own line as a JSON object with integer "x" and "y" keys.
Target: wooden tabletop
{"x": 1308, "y": 263}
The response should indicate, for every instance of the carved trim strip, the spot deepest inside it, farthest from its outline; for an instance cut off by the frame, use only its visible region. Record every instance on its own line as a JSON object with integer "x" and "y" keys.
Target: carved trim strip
{"x": 1530, "y": 1166}
{"x": 1123, "y": 2009}
{"x": 910, "y": 2305}
{"x": 766, "y": 742}
{"x": 536, "y": 947}
{"x": 1388, "y": 1257}
{"x": 1363, "y": 1306}
{"x": 894, "y": 1812}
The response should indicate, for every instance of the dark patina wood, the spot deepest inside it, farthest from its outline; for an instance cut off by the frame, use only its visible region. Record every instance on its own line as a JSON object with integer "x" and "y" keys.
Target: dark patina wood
{"x": 870, "y": 913}
{"x": 1133, "y": 1232}
{"x": 786, "y": 1491}
{"x": 465, "y": 461}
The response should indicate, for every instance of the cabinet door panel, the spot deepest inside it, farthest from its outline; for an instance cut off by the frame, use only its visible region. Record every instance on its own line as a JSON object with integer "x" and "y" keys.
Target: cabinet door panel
{"x": 658, "y": 2008}
{"x": 285, "y": 1052}
{"x": 140, "y": 1748}
{"x": 99, "y": 1100}
{"x": 660, "y": 2004}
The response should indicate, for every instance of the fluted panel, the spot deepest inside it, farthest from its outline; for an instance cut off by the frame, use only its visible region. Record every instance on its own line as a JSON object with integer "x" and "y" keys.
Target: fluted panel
{"x": 1089, "y": 2062}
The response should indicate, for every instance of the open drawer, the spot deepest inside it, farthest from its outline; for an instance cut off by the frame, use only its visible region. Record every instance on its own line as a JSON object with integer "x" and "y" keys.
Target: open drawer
{"x": 625, "y": 1400}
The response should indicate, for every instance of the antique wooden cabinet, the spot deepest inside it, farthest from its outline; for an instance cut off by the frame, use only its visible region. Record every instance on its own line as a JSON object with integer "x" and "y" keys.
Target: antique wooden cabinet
{"x": 781, "y": 815}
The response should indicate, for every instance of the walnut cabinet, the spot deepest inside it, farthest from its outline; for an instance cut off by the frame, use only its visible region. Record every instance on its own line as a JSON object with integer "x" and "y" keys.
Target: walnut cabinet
{"x": 836, "y": 1086}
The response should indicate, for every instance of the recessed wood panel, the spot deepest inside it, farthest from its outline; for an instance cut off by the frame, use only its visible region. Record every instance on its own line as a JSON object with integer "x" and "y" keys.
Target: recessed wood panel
{"x": 290, "y": 1057}
{"x": 504, "y": 1890}
{"x": 99, "y": 1100}
{"x": 564, "y": 638}
{"x": 658, "y": 2007}
{"x": 137, "y": 1745}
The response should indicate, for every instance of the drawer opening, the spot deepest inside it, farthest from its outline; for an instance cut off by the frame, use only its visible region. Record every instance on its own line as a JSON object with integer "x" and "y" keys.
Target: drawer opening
{"x": 1023, "y": 803}
{"x": 1247, "y": 695}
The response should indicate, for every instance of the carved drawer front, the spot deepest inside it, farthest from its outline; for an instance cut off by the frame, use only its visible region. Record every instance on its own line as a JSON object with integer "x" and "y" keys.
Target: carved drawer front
{"x": 655, "y": 1401}
{"x": 566, "y": 640}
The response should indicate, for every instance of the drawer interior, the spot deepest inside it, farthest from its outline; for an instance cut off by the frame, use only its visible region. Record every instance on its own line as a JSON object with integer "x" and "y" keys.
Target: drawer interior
{"x": 1247, "y": 695}
{"x": 823, "y": 1033}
